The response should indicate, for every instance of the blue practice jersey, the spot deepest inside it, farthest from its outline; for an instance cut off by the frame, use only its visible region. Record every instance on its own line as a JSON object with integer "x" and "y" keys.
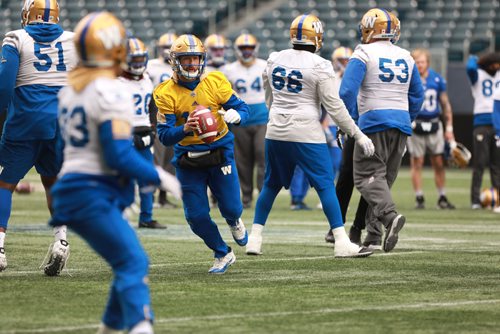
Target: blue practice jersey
{"x": 434, "y": 86}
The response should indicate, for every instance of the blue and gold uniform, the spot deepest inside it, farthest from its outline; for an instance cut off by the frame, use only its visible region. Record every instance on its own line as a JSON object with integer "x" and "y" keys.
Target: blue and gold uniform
{"x": 176, "y": 99}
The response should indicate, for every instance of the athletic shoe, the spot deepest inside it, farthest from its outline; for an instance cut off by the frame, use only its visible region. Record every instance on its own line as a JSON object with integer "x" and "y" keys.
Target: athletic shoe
{"x": 476, "y": 206}
{"x": 391, "y": 233}
{"x": 329, "y": 237}
{"x": 495, "y": 210}
{"x": 254, "y": 245}
{"x": 419, "y": 202}
{"x": 221, "y": 264}
{"x": 355, "y": 235}
{"x": 350, "y": 250}
{"x": 59, "y": 254}
{"x": 375, "y": 245}
{"x": 297, "y": 206}
{"x": 443, "y": 203}
{"x": 152, "y": 224}
{"x": 3, "y": 259}
{"x": 239, "y": 233}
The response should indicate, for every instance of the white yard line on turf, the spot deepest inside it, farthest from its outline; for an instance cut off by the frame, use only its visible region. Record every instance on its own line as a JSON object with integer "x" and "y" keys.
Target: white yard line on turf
{"x": 172, "y": 264}
{"x": 218, "y": 317}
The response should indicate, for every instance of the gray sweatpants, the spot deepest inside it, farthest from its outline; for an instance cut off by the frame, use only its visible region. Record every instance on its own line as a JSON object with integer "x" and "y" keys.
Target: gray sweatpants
{"x": 249, "y": 153}
{"x": 375, "y": 175}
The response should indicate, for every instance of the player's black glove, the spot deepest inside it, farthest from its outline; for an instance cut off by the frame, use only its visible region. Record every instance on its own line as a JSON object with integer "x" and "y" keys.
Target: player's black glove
{"x": 144, "y": 137}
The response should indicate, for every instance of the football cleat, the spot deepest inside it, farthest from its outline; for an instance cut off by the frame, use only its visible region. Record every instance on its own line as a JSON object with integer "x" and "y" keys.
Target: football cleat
{"x": 254, "y": 244}
{"x": 222, "y": 264}
{"x": 3, "y": 259}
{"x": 164, "y": 44}
{"x": 152, "y": 224}
{"x": 246, "y": 47}
{"x": 137, "y": 57}
{"x": 391, "y": 234}
{"x": 191, "y": 46}
{"x": 374, "y": 245}
{"x": 329, "y": 236}
{"x": 40, "y": 11}
{"x": 100, "y": 40}
{"x": 377, "y": 24}
{"x": 216, "y": 48}
{"x": 58, "y": 257}
{"x": 355, "y": 235}
{"x": 419, "y": 202}
{"x": 298, "y": 206}
{"x": 443, "y": 203}
{"x": 307, "y": 30}
{"x": 239, "y": 232}
{"x": 350, "y": 250}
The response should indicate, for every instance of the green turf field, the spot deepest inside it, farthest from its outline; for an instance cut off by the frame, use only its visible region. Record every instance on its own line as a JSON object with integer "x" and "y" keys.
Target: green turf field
{"x": 443, "y": 276}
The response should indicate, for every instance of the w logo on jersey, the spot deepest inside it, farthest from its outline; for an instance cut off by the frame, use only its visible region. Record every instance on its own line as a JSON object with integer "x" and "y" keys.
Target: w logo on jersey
{"x": 226, "y": 169}
{"x": 110, "y": 37}
{"x": 370, "y": 21}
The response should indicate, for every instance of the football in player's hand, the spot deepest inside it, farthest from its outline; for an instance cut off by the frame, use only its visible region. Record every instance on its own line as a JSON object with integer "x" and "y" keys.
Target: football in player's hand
{"x": 207, "y": 130}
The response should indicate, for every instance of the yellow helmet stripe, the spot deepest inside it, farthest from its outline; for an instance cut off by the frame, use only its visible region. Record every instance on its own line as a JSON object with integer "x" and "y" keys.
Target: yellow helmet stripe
{"x": 83, "y": 36}
{"x": 299, "y": 27}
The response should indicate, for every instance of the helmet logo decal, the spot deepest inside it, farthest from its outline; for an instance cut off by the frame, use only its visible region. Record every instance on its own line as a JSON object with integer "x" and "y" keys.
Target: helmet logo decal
{"x": 110, "y": 37}
{"x": 370, "y": 21}
{"x": 318, "y": 27}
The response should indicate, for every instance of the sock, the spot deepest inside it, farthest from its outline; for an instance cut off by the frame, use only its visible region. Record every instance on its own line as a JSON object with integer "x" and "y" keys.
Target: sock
{"x": 419, "y": 193}
{"x": 257, "y": 229}
{"x": 60, "y": 233}
{"x": 340, "y": 235}
{"x": 441, "y": 192}
{"x": 331, "y": 207}
{"x": 2, "y": 239}
{"x": 5, "y": 207}
{"x": 143, "y": 327}
{"x": 264, "y": 204}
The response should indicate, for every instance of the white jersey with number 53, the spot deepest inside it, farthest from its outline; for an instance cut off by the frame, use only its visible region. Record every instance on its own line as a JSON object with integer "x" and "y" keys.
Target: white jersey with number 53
{"x": 387, "y": 79}
{"x": 80, "y": 116}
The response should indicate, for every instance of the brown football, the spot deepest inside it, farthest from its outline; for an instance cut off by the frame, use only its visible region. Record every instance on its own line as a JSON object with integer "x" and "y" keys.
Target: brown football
{"x": 207, "y": 122}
